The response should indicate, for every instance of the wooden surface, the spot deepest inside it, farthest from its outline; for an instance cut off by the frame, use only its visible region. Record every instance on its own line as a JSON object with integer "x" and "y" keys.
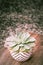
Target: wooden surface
{"x": 36, "y": 59}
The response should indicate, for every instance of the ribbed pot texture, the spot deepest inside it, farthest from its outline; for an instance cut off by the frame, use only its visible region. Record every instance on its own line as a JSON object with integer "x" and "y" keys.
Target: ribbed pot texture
{"x": 21, "y": 56}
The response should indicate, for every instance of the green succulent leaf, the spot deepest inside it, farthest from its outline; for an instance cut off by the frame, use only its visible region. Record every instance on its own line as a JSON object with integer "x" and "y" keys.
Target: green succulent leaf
{"x": 14, "y": 46}
{"x": 27, "y": 39}
{"x": 26, "y": 50}
{"x": 29, "y": 42}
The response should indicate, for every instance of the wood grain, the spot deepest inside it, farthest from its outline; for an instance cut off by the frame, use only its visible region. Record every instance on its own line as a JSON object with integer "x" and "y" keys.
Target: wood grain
{"x": 36, "y": 59}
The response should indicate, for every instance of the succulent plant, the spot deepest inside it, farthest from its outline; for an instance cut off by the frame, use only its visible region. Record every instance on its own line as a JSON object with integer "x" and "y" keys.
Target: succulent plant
{"x": 21, "y": 42}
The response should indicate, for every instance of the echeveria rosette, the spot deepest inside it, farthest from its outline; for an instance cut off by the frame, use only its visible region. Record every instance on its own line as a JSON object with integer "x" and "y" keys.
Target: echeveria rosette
{"x": 21, "y": 42}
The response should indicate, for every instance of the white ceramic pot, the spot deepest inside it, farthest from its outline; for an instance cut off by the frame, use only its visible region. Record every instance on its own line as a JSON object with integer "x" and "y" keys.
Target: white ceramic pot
{"x": 21, "y": 56}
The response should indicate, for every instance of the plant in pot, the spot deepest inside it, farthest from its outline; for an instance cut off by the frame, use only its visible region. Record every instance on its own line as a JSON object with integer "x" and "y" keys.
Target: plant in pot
{"x": 20, "y": 45}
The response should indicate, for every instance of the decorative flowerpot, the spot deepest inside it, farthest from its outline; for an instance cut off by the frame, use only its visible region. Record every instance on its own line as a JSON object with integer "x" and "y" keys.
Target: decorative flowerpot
{"x": 20, "y": 51}
{"x": 21, "y": 56}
